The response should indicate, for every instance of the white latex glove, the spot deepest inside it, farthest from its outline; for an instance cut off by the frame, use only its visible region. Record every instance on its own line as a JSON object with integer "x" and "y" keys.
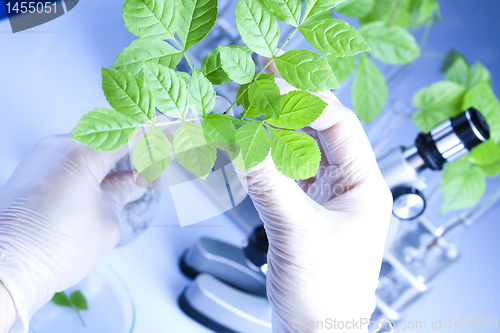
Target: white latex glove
{"x": 326, "y": 240}
{"x": 58, "y": 218}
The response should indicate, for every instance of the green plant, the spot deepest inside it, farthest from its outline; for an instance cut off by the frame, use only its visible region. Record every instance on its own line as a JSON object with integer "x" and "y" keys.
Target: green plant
{"x": 386, "y": 26}
{"x": 76, "y": 301}
{"x": 143, "y": 80}
{"x": 463, "y": 182}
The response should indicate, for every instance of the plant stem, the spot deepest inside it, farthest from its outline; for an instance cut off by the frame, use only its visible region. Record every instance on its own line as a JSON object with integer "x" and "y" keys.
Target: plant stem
{"x": 184, "y": 54}
{"x": 80, "y": 317}
{"x": 262, "y": 71}
{"x": 426, "y": 33}
{"x": 395, "y": 12}
{"x": 177, "y": 121}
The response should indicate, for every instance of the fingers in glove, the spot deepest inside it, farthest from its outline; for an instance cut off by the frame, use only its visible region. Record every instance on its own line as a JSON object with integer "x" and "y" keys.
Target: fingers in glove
{"x": 119, "y": 188}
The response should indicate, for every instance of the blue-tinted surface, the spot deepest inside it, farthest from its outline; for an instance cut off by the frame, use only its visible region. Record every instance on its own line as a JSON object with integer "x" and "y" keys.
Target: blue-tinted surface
{"x": 50, "y": 77}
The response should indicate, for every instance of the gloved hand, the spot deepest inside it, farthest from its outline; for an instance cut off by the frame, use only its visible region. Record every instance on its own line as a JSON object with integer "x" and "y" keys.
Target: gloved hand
{"x": 58, "y": 218}
{"x": 326, "y": 235}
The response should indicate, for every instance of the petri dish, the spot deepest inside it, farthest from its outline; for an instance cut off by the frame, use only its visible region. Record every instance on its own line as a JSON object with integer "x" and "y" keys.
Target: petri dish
{"x": 111, "y": 308}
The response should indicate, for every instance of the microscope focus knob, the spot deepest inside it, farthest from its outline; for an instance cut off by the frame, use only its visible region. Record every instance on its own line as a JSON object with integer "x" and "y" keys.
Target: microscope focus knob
{"x": 409, "y": 203}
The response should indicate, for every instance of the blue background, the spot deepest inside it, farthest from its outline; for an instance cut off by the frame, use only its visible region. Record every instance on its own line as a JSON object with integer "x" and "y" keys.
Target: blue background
{"x": 50, "y": 76}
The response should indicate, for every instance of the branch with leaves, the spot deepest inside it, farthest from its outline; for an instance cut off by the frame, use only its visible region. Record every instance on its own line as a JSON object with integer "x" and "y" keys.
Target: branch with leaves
{"x": 143, "y": 80}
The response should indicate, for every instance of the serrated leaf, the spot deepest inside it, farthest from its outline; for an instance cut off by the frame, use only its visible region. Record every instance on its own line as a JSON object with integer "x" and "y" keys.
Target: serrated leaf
{"x": 306, "y": 70}
{"x": 201, "y": 94}
{"x": 185, "y": 76}
{"x": 169, "y": 89}
{"x": 147, "y": 50}
{"x": 286, "y": 10}
{"x": 251, "y": 113}
{"x": 212, "y": 68}
{"x": 313, "y": 7}
{"x": 104, "y": 129}
{"x": 462, "y": 73}
{"x": 298, "y": 110}
{"x": 128, "y": 95}
{"x": 192, "y": 150}
{"x": 369, "y": 90}
{"x": 341, "y": 66}
{"x": 483, "y": 99}
{"x": 264, "y": 95}
{"x": 253, "y": 142}
{"x": 485, "y": 154}
{"x": 258, "y": 28}
{"x": 61, "y": 299}
{"x": 243, "y": 91}
{"x": 219, "y": 128}
{"x": 295, "y": 154}
{"x": 79, "y": 300}
{"x": 318, "y": 17}
{"x": 437, "y": 103}
{"x": 151, "y": 18}
{"x": 152, "y": 154}
{"x": 196, "y": 19}
{"x": 356, "y": 8}
{"x": 462, "y": 184}
{"x": 390, "y": 43}
{"x": 334, "y": 37}
{"x": 237, "y": 63}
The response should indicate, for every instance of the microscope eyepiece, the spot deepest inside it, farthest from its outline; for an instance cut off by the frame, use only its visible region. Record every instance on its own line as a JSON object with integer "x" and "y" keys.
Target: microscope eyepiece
{"x": 451, "y": 139}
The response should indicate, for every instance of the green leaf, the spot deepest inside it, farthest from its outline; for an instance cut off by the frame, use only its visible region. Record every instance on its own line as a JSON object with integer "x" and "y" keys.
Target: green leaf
{"x": 169, "y": 90}
{"x": 61, "y": 299}
{"x": 128, "y": 95}
{"x": 462, "y": 73}
{"x": 104, "y": 129}
{"x": 485, "y": 154}
{"x": 237, "y": 63}
{"x": 264, "y": 95}
{"x": 185, "y": 76}
{"x": 390, "y": 43}
{"x": 437, "y": 103}
{"x": 427, "y": 10}
{"x": 313, "y": 7}
{"x": 201, "y": 94}
{"x": 483, "y": 99}
{"x": 383, "y": 10}
{"x": 251, "y": 113}
{"x": 318, "y": 17}
{"x": 369, "y": 90}
{"x": 462, "y": 185}
{"x": 212, "y": 68}
{"x": 298, "y": 110}
{"x": 152, "y": 154}
{"x": 253, "y": 141}
{"x": 147, "y": 50}
{"x": 306, "y": 70}
{"x": 79, "y": 300}
{"x": 196, "y": 19}
{"x": 492, "y": 170}
{"x": 334, "y": 37}
{"x": 151, "y": 18}
{"x": 295, "y": 154}
{"x": 192, "y": 150}
{"x": 356, "y": 8}
{"x": 243, "y": 91}
{"x": 219, "y": 128}
{"x": 449, "y": 60}
{"x": 258, "y": 28}
{"x": 341, "y": 66}
{"x": 286, "y": 10}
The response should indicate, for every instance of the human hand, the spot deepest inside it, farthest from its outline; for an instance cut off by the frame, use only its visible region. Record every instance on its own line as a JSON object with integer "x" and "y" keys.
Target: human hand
{"x": 326, "y": 234}
{"x": 58, "y": 218}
